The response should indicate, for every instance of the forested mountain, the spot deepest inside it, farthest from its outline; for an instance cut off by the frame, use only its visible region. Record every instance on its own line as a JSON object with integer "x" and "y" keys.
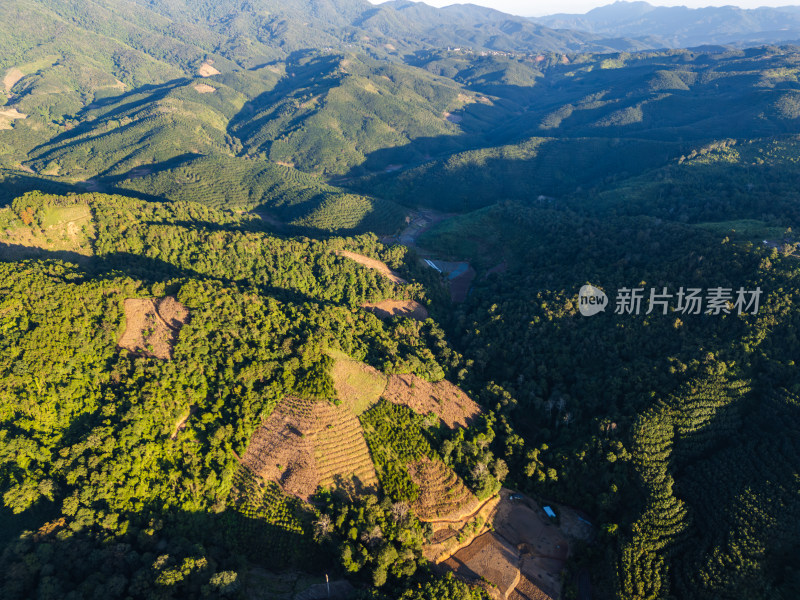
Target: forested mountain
{"x": 682, "y": 27}
{"x": 290, "y": 290}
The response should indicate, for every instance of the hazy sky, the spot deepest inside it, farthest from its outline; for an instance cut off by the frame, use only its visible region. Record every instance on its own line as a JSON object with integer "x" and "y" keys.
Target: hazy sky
{"x": 535, "y": 8}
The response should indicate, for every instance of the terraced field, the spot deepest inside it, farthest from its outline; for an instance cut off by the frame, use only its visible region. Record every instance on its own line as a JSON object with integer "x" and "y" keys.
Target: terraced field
{"x": 341, "y": 451}
{"x": 304, "y": 444}
{"x": 443, "y": 495}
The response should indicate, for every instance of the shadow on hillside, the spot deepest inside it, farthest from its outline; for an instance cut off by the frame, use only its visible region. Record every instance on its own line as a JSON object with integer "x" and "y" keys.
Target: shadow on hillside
{"x": 306, "y": 71}
{"x": 144, "y": 557}
{"x": 154, "y": 270}
{"x": 127, "y": 101}
{"x": 151, "y": 169}
{"x": 15, "y": 252}
{"x": 16, "y": 183}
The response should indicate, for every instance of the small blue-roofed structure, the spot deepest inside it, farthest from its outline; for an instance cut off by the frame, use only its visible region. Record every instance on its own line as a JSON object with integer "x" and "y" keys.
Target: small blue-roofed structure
{"x": 549, "y": 512}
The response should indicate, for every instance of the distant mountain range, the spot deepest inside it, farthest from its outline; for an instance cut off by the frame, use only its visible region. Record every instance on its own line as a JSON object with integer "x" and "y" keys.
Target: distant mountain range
{"x": 682, "y": 27}
{"x": 397, "y": 27}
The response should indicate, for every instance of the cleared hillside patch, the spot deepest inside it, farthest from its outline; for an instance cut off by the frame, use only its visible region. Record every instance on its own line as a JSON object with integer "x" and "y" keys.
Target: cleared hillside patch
{"x": 373, "y": 263}
{"x": 341, "y": 452}
{"x": 206, "y": 70}
{"x": 204, "y": 88}
{"x": 442, "y": 398}
{"x": 8, "y": 115}
{"x": 443, "y": 496}
{"x": 304, "y": 444}
{"x": 489, "y": 557}
{"x": 357, "y": 385}
{"x": 152, "y": 326}
{"x": 387, "y": 309}
{"x": 11, "y": 78}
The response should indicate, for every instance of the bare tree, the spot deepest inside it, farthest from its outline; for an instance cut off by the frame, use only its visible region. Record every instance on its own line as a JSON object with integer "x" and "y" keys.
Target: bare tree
{"x": 323, "y": 527}
{"x": 372, "y": 536}
{"x": 480, "y": 470}
{"x": 399, "y": 511}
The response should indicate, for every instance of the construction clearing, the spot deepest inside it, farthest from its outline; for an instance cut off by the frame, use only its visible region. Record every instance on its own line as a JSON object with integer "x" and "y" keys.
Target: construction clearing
{"x": 152, "y": 326}
{"x": 516, "y": 549}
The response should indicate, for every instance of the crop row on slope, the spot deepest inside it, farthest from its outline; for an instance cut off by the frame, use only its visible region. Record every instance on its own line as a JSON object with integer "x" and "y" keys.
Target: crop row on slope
{"x": 306, "y": 444}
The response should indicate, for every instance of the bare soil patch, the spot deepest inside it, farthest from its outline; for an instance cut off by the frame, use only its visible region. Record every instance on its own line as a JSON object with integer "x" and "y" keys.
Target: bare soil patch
{"x": 445, "y": 400}
{"x": 442, "y": 493}
{"x": 386, "y": 309}
{"x": 152, "y": 326}
{"x": 206, "y": 70}
{"x": 372, "y": 263}
{"x": 180, "y": 424}
{"x": 11, "y": 78}
{"x": 8, "y": 115}
{"x": 491, "y": 557}
{"x": 575, "y": 524}
{"x": 304, "y": 444}
{"x": 204, "y": 88}
{"x": 543, "y": 573}
{"x": 12, "y": 113}
{"x": 528, "y": 590}
{"x": 541, "y": 549}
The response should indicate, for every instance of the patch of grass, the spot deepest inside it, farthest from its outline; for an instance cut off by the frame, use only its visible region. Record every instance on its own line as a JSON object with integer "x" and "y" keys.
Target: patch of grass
{"x": 358, "y": 385}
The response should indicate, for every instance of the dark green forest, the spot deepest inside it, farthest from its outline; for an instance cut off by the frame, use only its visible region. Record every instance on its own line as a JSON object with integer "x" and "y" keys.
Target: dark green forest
{"x": 223, "y": 155}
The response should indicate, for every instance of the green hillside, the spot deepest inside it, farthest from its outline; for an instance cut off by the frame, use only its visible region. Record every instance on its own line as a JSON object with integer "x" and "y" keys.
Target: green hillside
{"x": 203, "y": 202}
{"x": 333, "y": 111}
